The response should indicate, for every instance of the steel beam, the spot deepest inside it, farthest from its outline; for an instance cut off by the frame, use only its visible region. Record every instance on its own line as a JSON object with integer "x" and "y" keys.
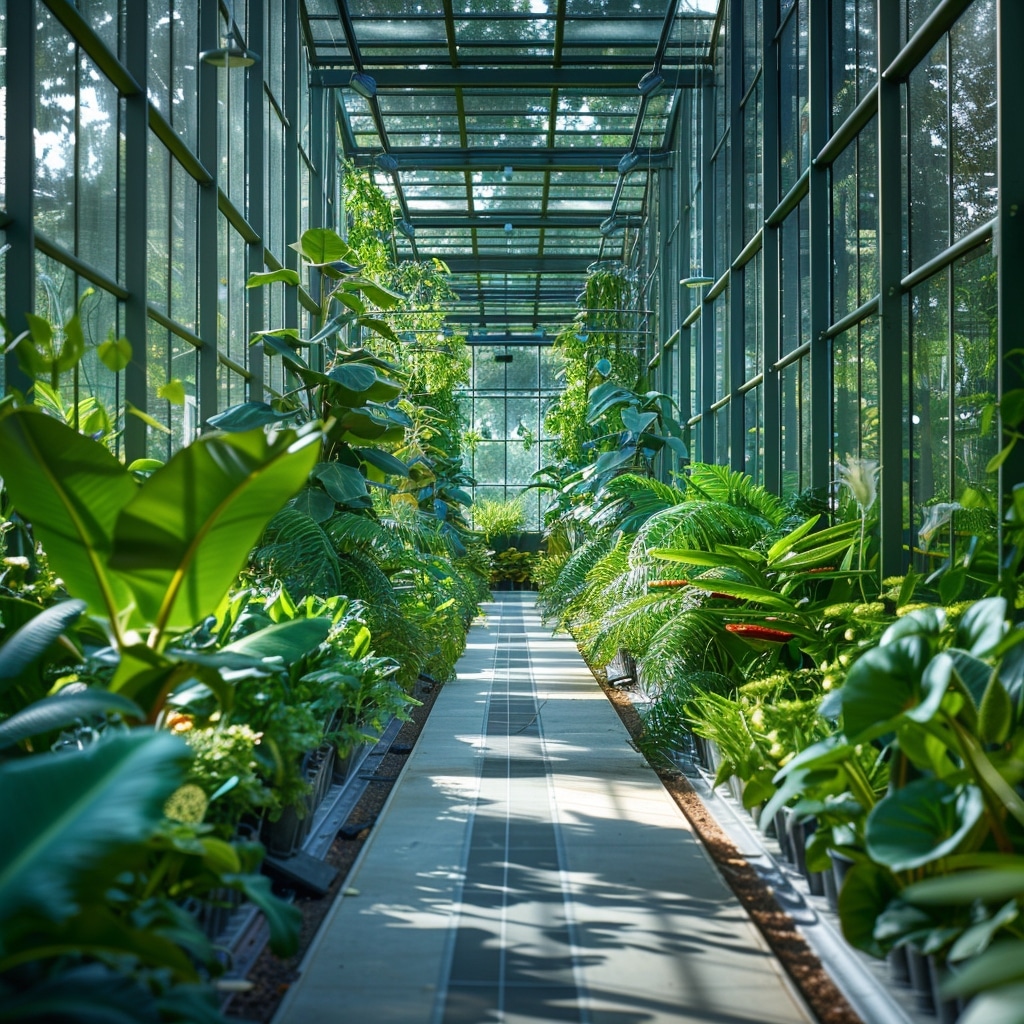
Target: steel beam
{"x": 525, "y": 77}
{"x": 255, "y": 113}
{"x": 525, "y": 158}
{"x": 519, "y": 264}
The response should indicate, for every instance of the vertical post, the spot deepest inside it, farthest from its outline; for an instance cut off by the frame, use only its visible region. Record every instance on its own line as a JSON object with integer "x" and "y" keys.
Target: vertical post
{"x": 209, "y": 214}
{"x": 255, "y": 108}
{"x": 706, "y": 324}
{"x": 818, "y": 245}
{"x": 290, "y": 105}
{"x": 21, "y": 106}
{"x": 770, "y": 260}
{"x": 890, "y": 255}
{"x": 737, "y": 433}
{"x": 1010, "y": 217}
{"x": 136, "y": 131}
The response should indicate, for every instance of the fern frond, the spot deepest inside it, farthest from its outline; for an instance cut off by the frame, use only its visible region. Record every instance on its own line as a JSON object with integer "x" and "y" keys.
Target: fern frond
{"x": 721, "y": 484}
{"x": 296, "y": 550}
{"x": 698, "y": 524}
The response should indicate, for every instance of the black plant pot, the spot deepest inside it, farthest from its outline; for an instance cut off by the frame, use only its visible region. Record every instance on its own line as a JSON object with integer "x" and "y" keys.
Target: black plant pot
{"x": 828, "y": 881}
{"x": 841, "y": 864}
{"x": 899, "y": 966}
{"x": 782, "y": 833}
{"x": 920, "y": 980}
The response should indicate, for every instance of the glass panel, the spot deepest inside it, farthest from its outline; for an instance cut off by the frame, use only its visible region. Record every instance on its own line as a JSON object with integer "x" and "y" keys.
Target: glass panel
{"x": 752, "y": 344}
{"x": 753, "y": 413}
{"x": 158, "y": 254}
{"x": 753, "y": 179}
{"x": 184, "y": 225}
{"x": 973, "y": 110}
{"x": 55, "y": 132}
{"x": 791, "y": 440}
{"x": 928, "y": 142}
{"x": 97, "y": 167}
{"x": 975, "y": 357}
{"x": 489, "y": 462}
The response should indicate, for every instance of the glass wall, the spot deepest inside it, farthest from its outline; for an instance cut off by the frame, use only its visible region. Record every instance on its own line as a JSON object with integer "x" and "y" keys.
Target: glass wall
{"x": 158, "y": 183}
{"x": 829, "y": 251}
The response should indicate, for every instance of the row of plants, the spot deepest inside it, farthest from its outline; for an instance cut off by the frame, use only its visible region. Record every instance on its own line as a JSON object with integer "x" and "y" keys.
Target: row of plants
{"x": 881, "y": 720}
{"x": 887, "y": 719}
{"x": 181, "y": 642}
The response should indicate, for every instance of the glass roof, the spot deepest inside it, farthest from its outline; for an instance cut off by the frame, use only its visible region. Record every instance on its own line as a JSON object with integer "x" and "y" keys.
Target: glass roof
{"x": 499, "y": 126}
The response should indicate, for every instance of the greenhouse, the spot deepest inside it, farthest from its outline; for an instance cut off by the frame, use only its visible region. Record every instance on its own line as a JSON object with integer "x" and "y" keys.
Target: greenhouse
{"x": 511, "y": 512}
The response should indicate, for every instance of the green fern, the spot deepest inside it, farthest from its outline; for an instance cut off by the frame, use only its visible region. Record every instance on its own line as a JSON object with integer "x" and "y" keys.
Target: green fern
{"x": 296, "y": 550}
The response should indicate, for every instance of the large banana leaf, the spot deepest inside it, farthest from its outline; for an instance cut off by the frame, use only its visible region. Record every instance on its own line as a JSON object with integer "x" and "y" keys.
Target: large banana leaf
{"x": 62, "y": 710}
{"x": 27, "y": 644}
{"x": 65, "y": 813}
{"x": 181, "y": 541}
{"x": 72, "y": 490}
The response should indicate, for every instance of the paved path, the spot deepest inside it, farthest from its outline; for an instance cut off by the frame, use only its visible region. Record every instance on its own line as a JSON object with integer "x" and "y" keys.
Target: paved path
{"x": 529, "y": 867}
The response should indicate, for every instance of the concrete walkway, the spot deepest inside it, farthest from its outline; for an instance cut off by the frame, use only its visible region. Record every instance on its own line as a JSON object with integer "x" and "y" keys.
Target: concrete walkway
{"x": 529, "y": 866}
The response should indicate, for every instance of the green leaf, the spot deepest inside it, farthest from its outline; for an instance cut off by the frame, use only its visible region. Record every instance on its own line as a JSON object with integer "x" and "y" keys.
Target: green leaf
{"x": 1001, "y": 964}
{"x": 73, "y": 346}
{"x": 90, "y": 994}
{"x": 384, "y": 461}
{"x": 603, "y": 367}
{"x": 173, "y": 391}
{"x": 995, "y": 716}
{"x": 357, "y": 384}
{"x": 115, "y": 353}
{"x": 795, "y": 561}
{"x": 274, "y": 344}
{"x": 29, "y": 642}
{"x": 182, "y": 539}
{"x": 74, "y": 811}
{"x": 322, "y": 245}
{"x": 784, "y": 544}
{"x": 343, "y": 483}
{"x": 288, "y": 640}
{"x": 1011, "y": 407}
{"x": 248, "y": 416}
{"x": 381, "y": 297}
{"x": 976, "y": 939}
{"x": 928, "y": 622}
{"x": 288, "y": 276}
{"x": 283, "y": 919}
{"x": 72, "y": 490}
{"x": 314, "y": 503}
{"x": 146, "y": 418}
{"x": 62, "y": 710}
{"x": 881, "y": 685}
{"x": 922, "y": 822}
{"x": 867, "y": 891}
{"x": 1003, "y": 1005}
{"x": 981, "y": 626}
{"x": 637, "y": 422}
{"x": 964, "y": 887}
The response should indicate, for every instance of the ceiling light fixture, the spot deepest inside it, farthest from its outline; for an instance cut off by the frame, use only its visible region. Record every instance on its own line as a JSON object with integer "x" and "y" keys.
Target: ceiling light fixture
{"x": 364, "y": 84}
{"x": 232, "y": 52}
{"x": 652, "y": 82}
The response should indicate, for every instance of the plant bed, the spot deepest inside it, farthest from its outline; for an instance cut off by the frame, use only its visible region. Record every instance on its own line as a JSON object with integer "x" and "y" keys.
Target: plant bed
{"x": 270, "y": 976}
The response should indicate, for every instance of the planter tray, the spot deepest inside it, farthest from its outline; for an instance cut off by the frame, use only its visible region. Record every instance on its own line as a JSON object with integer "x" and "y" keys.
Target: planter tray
{"x": 301, "y": 871}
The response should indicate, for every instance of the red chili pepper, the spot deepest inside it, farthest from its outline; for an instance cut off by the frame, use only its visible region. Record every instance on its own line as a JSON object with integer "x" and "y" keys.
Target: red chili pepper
{"x": 752, "y": 631}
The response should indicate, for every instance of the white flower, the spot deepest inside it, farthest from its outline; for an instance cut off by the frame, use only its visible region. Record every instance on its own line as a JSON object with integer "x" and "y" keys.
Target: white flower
{"x": 860, "y": 476}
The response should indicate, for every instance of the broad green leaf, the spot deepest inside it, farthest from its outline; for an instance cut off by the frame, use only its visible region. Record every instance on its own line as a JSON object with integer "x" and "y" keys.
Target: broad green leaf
{"x": 273, "y": 344}
{"x": 976, "y": 939}
{"x": 74, "y": 811}
{"x": 637, "y": 422}
{"x": 89, "y": 994}
{"x": 982, "y": 626}
{"x": 1011, "y": 407}
{"x": 964, "y": 887}
{"x": 29, "y": 642}
{"x": 173, "y": 391}
{"x": 928, "y": 622}
{"x": 62, "y": 710}
{"x": 343, "y": 483}
{"x": 248, "y": 416}
{"x": 315, "y": 503}
{"x": 995, "y": 716}
{"x": 381, "y": 297}
{"x": 72, "y": 490}
{"x": 881, "y": 685}
{"x": 920, "y": 823}
{"x": 379, "y": 327}
{"x": 1001, "y": 964}
{"x": 182, "y": 539}
{"x": 1002, "y": 1005}
{"x": 603, "y": 367}
{"x": 867, "y": 891}
{"x": 115, "y": 353}
{"x": 384, "y": 461}
{"x": 285, "y": 274}
{"x": 322, "y": 245}
{"x": 357, "y": 384}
